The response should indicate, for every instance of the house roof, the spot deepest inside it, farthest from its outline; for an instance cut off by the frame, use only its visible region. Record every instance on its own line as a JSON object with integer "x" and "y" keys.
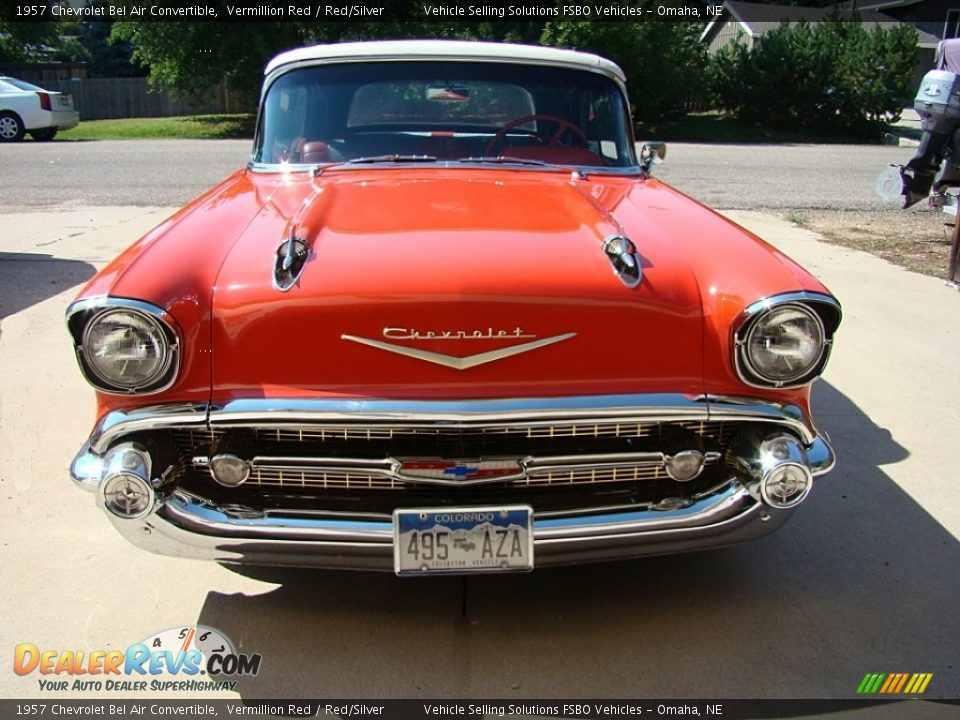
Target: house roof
{"x": 757, "y": 19}
{"x": 878, "y": 4}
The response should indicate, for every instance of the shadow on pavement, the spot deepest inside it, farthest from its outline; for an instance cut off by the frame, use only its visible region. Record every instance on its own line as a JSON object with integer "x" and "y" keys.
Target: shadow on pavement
{"x": 29, "y": 278}
{"x": 861, "y": 580}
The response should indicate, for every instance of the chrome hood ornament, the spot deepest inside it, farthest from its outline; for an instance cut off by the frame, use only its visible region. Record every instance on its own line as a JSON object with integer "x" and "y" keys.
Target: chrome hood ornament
{"x": 291, "y": 256}
{"x": 452, "y": 361}
{"x": 289, "y": 262}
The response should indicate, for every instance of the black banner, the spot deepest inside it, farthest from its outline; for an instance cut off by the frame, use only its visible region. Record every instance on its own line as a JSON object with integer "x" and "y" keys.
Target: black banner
{"x": 411, "y": 709}
{"x": 629, "y": 11}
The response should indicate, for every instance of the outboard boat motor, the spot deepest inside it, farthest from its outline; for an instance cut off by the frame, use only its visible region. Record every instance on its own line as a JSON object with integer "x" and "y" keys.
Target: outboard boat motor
{"x": 936, "y": 164}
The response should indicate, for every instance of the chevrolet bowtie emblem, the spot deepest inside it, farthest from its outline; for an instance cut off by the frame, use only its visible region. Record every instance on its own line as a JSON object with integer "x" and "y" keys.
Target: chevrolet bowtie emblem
{"x": 459, "y": 363}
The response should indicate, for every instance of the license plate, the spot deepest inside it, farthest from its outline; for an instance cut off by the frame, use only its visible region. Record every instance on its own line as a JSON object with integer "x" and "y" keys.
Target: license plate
{"x": 65, "y": 101}
{"x": 462, "y": 540}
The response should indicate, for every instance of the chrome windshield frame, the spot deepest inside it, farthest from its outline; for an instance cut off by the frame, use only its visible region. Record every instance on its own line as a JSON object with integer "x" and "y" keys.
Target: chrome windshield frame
{"x": 276, "y": 73}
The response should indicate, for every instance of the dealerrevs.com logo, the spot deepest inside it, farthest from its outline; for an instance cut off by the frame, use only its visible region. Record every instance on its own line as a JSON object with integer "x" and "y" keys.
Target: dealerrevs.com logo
{"x": 185, "y": 658}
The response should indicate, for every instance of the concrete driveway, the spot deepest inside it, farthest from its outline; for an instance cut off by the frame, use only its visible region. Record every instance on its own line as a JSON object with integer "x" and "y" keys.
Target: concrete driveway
{"x": 863, "y": 579}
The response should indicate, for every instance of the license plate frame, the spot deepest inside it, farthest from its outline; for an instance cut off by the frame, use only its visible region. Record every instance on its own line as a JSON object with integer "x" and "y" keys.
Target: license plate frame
{"x": 463, "y": 540}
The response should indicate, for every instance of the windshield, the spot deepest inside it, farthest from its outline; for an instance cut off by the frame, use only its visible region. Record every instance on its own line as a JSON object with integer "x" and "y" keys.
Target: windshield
{"x": 451, "y": 111}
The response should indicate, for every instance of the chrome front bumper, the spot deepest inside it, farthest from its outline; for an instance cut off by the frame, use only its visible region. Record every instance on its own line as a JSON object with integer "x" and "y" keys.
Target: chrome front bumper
{"x": 186, "y": 526}
{"x": 182, "y": 524}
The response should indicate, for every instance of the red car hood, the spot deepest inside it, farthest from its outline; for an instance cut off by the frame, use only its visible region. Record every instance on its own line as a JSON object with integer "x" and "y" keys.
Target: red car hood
{"x": 449, "y": 283}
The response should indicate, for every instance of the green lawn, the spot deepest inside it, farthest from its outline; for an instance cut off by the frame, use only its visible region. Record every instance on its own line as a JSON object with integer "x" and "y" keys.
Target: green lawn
{"x": 198, "y": 127}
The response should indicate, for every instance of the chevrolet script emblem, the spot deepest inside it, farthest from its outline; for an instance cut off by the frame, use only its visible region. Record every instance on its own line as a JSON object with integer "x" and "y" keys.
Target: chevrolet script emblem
{"x": 452, "y": 361}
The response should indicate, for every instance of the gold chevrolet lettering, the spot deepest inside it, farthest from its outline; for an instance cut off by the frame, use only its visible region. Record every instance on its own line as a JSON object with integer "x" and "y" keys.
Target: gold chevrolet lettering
{"x": 451, "y": 361}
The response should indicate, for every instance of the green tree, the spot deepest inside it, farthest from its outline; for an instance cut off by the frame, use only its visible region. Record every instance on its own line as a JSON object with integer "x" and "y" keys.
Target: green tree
{"x": 188, "y": 57}
{"x": 830, "y": 75}
{"x": 27, "y": 41}
{"x": 664, "y": 61}
{"x": 875, "y": 74}
{"x": 106, "y": 58}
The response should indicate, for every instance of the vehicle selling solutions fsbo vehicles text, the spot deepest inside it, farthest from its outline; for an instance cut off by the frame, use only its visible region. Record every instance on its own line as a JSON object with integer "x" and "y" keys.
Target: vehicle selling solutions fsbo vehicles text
{"x": 605, "y": 12}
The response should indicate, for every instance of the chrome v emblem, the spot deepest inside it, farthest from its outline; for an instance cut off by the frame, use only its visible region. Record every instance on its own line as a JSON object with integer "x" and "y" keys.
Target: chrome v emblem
{"x": 457, "y": 363}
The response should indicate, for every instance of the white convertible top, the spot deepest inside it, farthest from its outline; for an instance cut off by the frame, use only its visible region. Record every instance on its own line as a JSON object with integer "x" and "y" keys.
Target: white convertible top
{"x": 445, "y": 50}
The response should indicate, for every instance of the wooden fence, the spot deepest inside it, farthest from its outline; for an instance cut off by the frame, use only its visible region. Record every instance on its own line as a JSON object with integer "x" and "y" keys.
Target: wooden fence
{"x": 104, "y": 98}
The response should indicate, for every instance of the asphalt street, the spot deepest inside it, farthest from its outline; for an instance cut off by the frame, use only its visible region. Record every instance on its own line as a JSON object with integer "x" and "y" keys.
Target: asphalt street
{"x": 746, "y": 177}
{"x": 863, "y": 579}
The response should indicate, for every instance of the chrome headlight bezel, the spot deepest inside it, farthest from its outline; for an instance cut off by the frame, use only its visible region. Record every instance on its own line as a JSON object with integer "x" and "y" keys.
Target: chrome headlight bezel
{"x": 84, "y": 314}
{"x": 822, "y": 309}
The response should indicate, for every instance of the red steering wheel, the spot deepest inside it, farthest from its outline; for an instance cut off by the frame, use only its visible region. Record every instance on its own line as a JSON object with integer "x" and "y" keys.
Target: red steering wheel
{"x": 562, "y": 124}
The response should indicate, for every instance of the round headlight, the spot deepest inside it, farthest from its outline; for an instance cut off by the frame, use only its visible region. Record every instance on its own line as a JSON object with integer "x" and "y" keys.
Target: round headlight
{"x": 784, "y": 345}
{"x": 127, "y": 349}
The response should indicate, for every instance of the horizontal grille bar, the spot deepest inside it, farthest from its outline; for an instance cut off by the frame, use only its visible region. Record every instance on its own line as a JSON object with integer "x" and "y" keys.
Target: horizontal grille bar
{"x": 717, "y": 430}
{"x": 327, "y": 433}
{"x": 328, "y": 479}
{"x": 345, "y": 457}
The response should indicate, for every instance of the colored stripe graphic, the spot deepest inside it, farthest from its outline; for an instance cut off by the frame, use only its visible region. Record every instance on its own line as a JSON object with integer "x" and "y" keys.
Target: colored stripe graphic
{"x": 891, "y": 681}
{"x": 894, "y": 683}
{"x": 870, "y": 683}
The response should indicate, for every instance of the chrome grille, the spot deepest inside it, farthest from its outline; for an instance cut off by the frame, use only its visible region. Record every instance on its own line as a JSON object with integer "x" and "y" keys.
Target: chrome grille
{"x": 193, "y": 440}
{"x": 594, "y": 476}
{"x": 321, "y": 480}
{"x": 328, "y": 433}
{"x": 328, "y": 479}
{"x": 448, "y": 441}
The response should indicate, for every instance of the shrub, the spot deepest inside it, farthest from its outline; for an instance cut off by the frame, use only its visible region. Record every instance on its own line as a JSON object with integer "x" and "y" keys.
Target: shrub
{"x": 833, "y": 74}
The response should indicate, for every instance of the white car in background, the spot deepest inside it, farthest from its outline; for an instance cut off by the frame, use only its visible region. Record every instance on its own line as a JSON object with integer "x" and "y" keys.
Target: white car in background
{"x": 26, "y": 108}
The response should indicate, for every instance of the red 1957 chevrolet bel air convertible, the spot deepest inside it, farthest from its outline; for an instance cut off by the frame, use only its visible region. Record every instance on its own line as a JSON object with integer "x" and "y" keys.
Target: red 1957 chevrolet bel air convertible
{"x": 446, "y": 321}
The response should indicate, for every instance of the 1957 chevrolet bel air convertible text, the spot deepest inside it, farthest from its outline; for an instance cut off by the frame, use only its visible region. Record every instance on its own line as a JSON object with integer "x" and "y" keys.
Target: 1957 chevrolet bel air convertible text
{"x": 446, "y": 321}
